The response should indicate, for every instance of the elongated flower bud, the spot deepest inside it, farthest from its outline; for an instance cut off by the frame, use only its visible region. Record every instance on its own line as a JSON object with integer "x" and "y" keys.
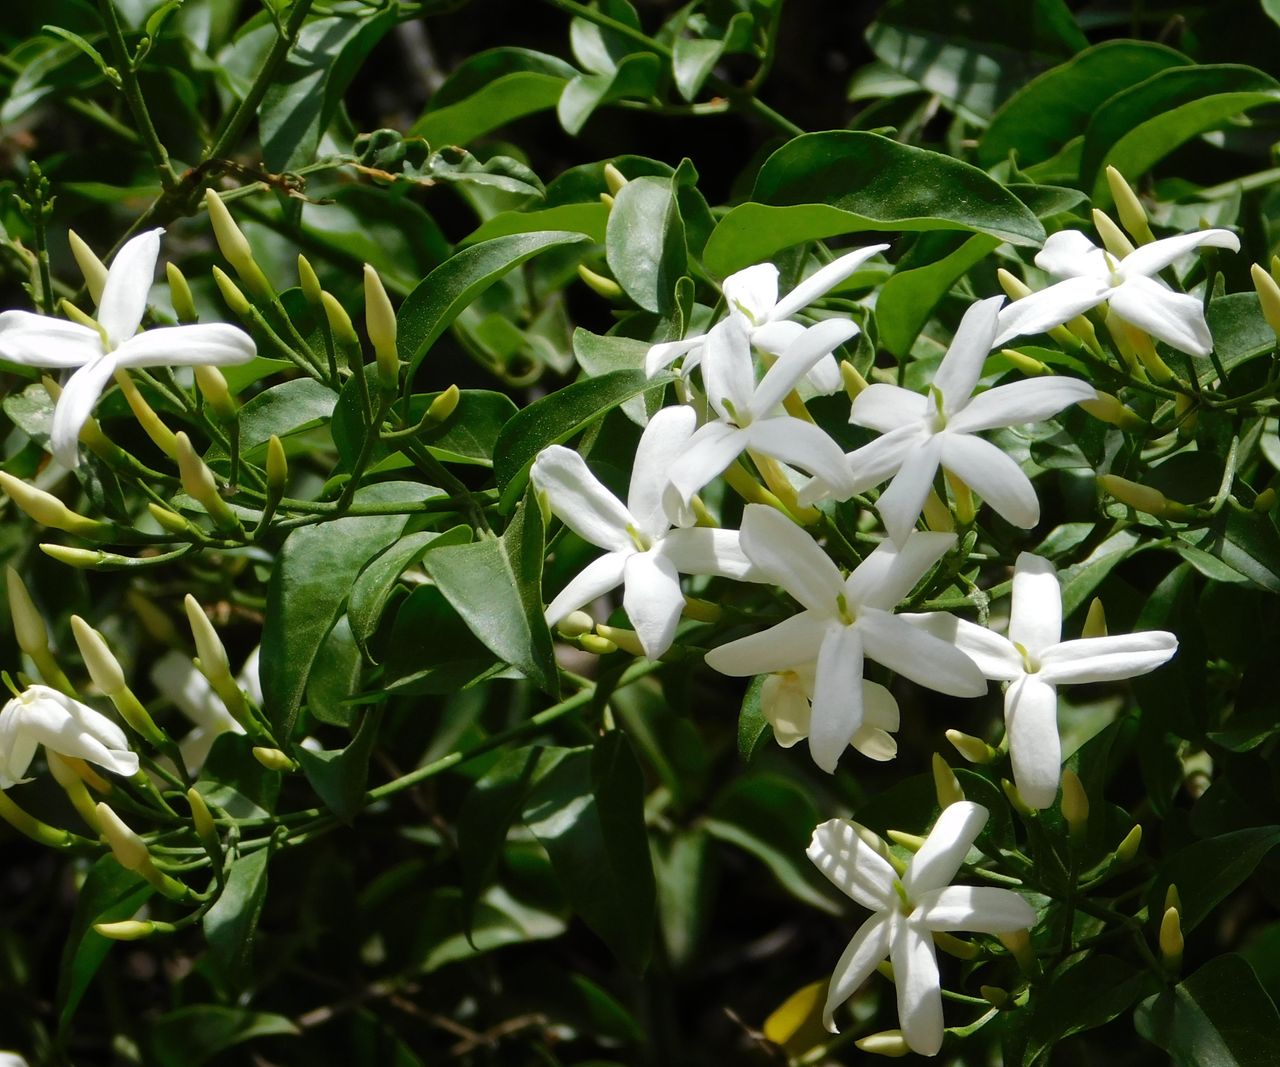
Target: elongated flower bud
{"x": 1172, "y": 899}
{"x": 599, "y": 284}
{"x": 236, "y": 300}
{"x": 627, "y": 640}
{"x": 614, "y": 179}
{"x": 72, "y": 784}
{"x": 962, "y": 497}
{"x": 48, "y": 510}
{"x": 93, "y": 269}
{"x": 1095, "y": 621}
{"x": 911, "y": 842}
{"x": 1133, "y": 216}
{"x": 131, "y": 929}
{"x": 1018, "y": 945}
{"x": 890, "y": 1043}
{"x": 277, "y": 467}
{"x": 701, "y": 610}
{"x": 1113, "y": 239}
{"x": 444, "y": 405}
{"x": 199, "y": 484}
{"x": 380, "y": 321}
{"x": 127, "y": 847}
{"x": 184, "y": 304}
{"x": 209, "y": 647}
{"x": 1142, "y": 498}
{"x": 974, "y": 749}
{"x": 1268, "y": 296}
{"x": 1015, "y": 798}
{"x": 235, "y": 246}
{"x": 1128, "y": 848}
{"x": 954, "y": 946}
{"x": 339, "y": 321}
{"x": 575, "y": 624}
{"x": 1171, "y": 942}
{"x": 1075, "y": 804}
{"x": 1107, "y": 408}
{"x": 169, "y": 521}
{"x": 28, "y": 623}
{"x": 597, "y": 646}
{"x": 937, "y": 515}
{"x": 308, "y": 282}
{"x": 202, "y": 820}
{"x": 161, "y": 436}
{"x": 213, "y": 387}
{"x": 854, "y": 383}
{"x": 99, "y": 660}
{"x": 1033, "y": 368}
{"x": 945, "y": 782}
{"x": 274, "y": 760}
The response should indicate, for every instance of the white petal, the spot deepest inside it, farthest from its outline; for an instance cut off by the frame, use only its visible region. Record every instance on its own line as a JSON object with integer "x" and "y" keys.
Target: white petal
{"x": 851, "y": 865}
{"x": 1035, "y": 608}
{"x": 837, "y": 696}
{"x": 70, "y": 728}
{"x": 804, "y": 445}
{"x": 1154, "y": 257}
{"x": 774, "y": 337}
{"x": 919, "y": 656}
{"x": 888, "y": 407}
{"x": 1050, "y": 307}
{"x": 752, "y": 293}
{"x": 177, "y": 678}
{"x": 728, "y": 374}
{"x": 961, "y": 367}
{"x": 43, "y": 341}
{"x": 581, "y": 502}
{"x": 799, "y": 357}
{"x": 664, "y": 440}
{"x": 900, "y": 505}
{"x": 865, "y": 950}
{"x": 700, "y": 550}
{"x": 1070, "y": 254}
{"x": 945, "y": 848}
{"x": 915, "y": 973}
{"x": 890, "y": 572}
{"x": 124, "y": 294}
{"x": 594, "y": 580}
{"x": 1106, "y": 659}
{"x": 652, "y": 600}
{"x": 1174, "y": 318}
{"x": 211, "y": 343}
{"x": 783, "y": 647}
{"x": 823, "y": 281}
{"x": 710, "y": 450}
{"x": 789, "y": 557}
{"x": 1035, "y": 750}
{"x": 977, "y": 909}
{"x": 994, "y": 476}
{"x": 992, "y": 653}
{"x": 824, "y": 376}
{"x": 1027, "y": 401}
{"x": 74, "y": 406}
{"x": 661, "y": 356}
{"x": 873, "y": 463}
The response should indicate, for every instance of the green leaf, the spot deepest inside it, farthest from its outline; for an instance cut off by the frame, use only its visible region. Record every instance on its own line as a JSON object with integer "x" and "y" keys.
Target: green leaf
{"x": 1057, "y": 106}
{"x": 1219, "y": 1017}
{"x": 1240, "y": 333}
{"x": 1082, "y": 996}
{"x": 193, "y": 1035}
{"x": 495, "y": 585}
{"x": 499, "y": 920}
{"x": 372, "y": 589}
{"x": 588, "y": 813}
{"x": 109, "y": 894}
{"x": 232, "y": 923}
{"x": 427, "y": 311}
{"x": 429, "y": 649}
{"x": 308, "y": 587}
{"x": 692, "y": 60}
{"x": 754, "y": 731}
{"x": 288, "y": 408}
{"x": 339, "y": 775}
{"x": 557, "y": 417}
{"x": 1081, "y": 579}
{"x": 823, "y": 184}
{"x": 644, "y": 243}
{"x": 686, "y": 870}
{"x": 1248, "y": 543}
{"x": 84, "y": 46}
{"x": 589, "y": 219}
{"x": 335, "y": 676}
{"x": 306, "y": 92}
{"x": 1140, "y": 126}
{"x": 1206, "y": 871}
{"x": 635, "y": 77}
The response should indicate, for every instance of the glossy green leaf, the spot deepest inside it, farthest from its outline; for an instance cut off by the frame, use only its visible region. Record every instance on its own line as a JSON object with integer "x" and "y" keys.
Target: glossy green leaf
{"x": 191, "y": 1036}
{"x": 589, "y": 219}
{"x": 645, "y": 242}
{"x": 495, "y": 585}
{"x": 754, "y": 731}
{"x": 309, "y": 585}
{"x": 335, "y": 676}
{"x": 1082, "y": 996}
{"x": 1219, "y": 1017}
{"x": 1207, "y": 871}
{"x": 1138, "y": 127}
{"x": 1240, "y": 333}
{"x": 692, "y": 60}
{"x": 636, "y": 77}
{"x": 1057, "y": 106}
{"x": 288, "y": 408}
{"x": 429, "y": 649}
{"x": 339, "y": 775}
{"x": 555, "y": 418}
{"x": 824, "y": 184}
{"x": 499, "y": 920}
{"x": 428, "y": 311}
{"x": 588, "y": 812}
{"x": 231, "y": 924}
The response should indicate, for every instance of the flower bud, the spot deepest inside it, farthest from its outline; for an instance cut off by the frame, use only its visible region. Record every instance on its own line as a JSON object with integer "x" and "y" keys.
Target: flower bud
{"x": 274, "y": 760}
{"x": 209, "y": 647}
{"x": 1015, "y": 288}
{"x": 99, "y": 660}
{"x": 1033, "y": 368}
{"x": 72, "y": 784}
{"x": 277, "y": 467}
{"x": 974, "y": 749}
{"x": 965, "y": 508}
{"x": 169, "y": 521}
{"x": 598, "y": 283}
{"x": 28, "y": 623}
{"x": 1128, "y": 848}
{"x": 1095, "y": 621}
{"x": 1142, "y": 497}
{"x": 93, "y": 269}
{"x": 184, "y": 304}
{"x": 1275, "y": 268}
{"x": 994, "y": 995}
{"x": 308, "y": 282}
{"x": 213, "y": 387}
{"x": 1113, "y": 239}
{"x": 1266, "y": 500}
{"x": 380, "y": 321}
{"x": 1133, "y": 216}
{"x": 954, "y": 946}
{"x": 47, "y": 510}
{"x": 444, "y": 405}
{"x": 614, "y": 179}
{"x": 597, "y": 646}
{"x": 127, "y": 847}
{"x": 339, "y": 321}
{"x": 235, "y": 246}
{"x": 1075, "y": 804}
{"x": 199, "y": 484}
{"x": 911, "y": 842}
{"x": 1172, "y": 899}
{"x": 575, "y": 624}
{"x": 231, "y": 293}
{"x": 889, "y": 1043}
{"x": 606, "y": 200}
{"x": 1018, "y": 945}
{"x": 30, "y": 826}
{"x": 937, "y": 515}
{"x": 1268, "y": 296}
{"x": 83, "y": 558}
{"x": 1171, "y": 941}
{"x": 1106, "y": 408}
{"x": 701, "y": 610}
{"x": 854, "y": 382}
{"x": 151, "y": 423}
{"x": 1012, "y": 795}
{"x": 131, "y": 929}
{"x": 627, "y": 640}
{"x": 202, "y": 820}
{"x": 945, "y": 782}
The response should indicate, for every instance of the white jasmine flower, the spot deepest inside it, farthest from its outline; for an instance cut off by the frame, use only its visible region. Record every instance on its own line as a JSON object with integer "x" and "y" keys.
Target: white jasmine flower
{"x": 844, "y": 619}
{"x": 177, "y": 678}
{"x": 43, "y": 716}
{"x": 1092, "y": 275}
{"x": 748, "y": 412}
{"x": 643, "y": 552}
{"x": 907, "y": 911}
{"x": 752, "y": 298}
{"x": 1034, "y": 660}
{"x": 43, "y": 341}
{"x": 922, "y": 433}
{"x": 786, "y": 702}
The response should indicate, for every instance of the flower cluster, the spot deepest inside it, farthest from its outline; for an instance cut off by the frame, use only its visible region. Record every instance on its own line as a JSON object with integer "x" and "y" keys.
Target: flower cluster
{"x": 750, "y": 366}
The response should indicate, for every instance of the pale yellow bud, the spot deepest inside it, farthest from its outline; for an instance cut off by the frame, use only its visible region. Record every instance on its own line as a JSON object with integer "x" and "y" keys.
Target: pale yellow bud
{"x": 99, "y": 660}
{"x": 911, "y": 842}
{"x": 1172, "y": 899}
{"x": 235, "y": 246}
{"x": 213, "y": 387}
{"x": 199, "y": 483}
{"x": 945, "y": 783}
{"x": 277, "y": 467}
{"x": 1075, "y": 803}
{"x": 1113, "y": 238}
{"x": 93, "y": 269}
{"x": 127, "y": 847}
{"x": 606, "y": 200}
{"x": 444, "y": 405}
{"x": 1107, "y": 408}
{"x": 890, "y": 1043}
{"x": 614, "y": 179}
{"x": 854, "y": 382}
{"x": 1095, "y": 621}
{"x": 1018, "y": 945}
{"x": 72, "y": 784}
{"x": 274, "y": 760}
{"x": 48, "y": 510}
{"x": 1142, "y": 498}
{"x": 1171, "y": 941}
{"x": 1268, "y": 296}
{"x": 597, "y": 646}
{"x": 962, "y": 498}
{"x": 1133, "y": 216}
{"x": 28, "y": 623}
{"x": 169, "y": 521}
{"x": 1015, "y": 798}
{"x": 202, "y": 820}
{"x": 380, "y": 321}
{"x": 954, "y": 946}
{"x": 184, "y": 304}
{"x": 1128, "y": 848}
{"x": 150, "y": 422}
{"x": 339, "y": 321}
{"x": 974, "y": 749}
{"x": 128, "y": 929}
{"x": 1029, "y": 366}
{"x": 308, "y": 282}
{"x": 627, "y": 640}
{"x": 605, "y": 287}
{"x": 1014, "y": 287}
{"x": 575, "y": 624}
{"x": 236, "y": 300}
{"x": 82, "y": 558}
{"x": 209, "y": 647}
{"x": 937, "y": 515}
{"x": 701, "y": 610}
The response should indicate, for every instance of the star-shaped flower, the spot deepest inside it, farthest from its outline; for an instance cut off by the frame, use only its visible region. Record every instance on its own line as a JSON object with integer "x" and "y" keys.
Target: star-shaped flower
{"x": 95, "y": 354}
{"x": 43, "y": 716}
{"x": 1034, "y": 660}
{"x": 923, "y": 432}
{"x": 644, "y": 553}
{"x": 1092, "y": 275}
{"x": 176, "y": 677}
{"x": 844, "y": 619}
{"x": 908, "y": 910}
